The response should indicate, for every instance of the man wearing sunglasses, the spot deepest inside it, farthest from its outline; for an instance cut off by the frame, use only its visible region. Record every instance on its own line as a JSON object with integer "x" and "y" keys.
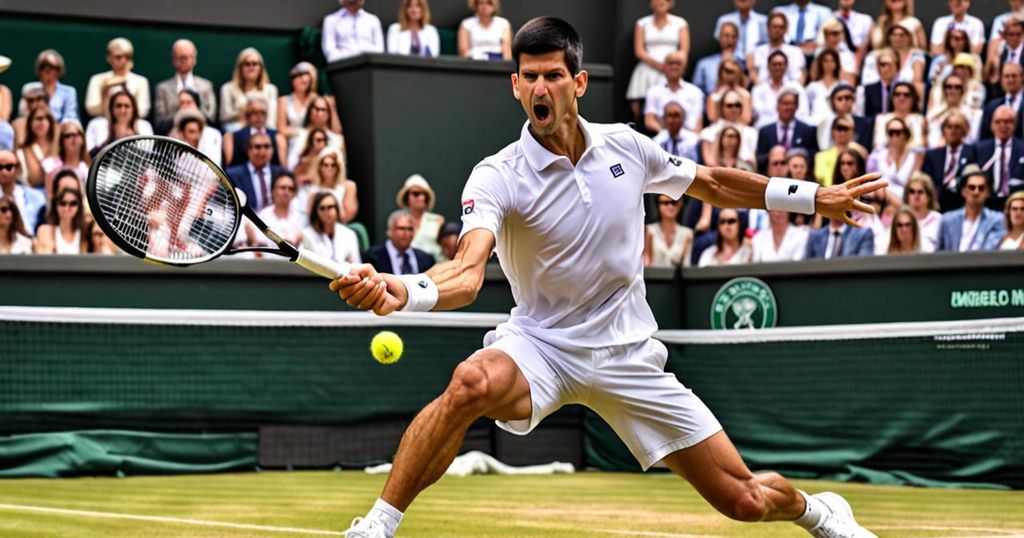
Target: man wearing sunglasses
{"x": 973, "y": 227}
{"x": 29, "y": 201}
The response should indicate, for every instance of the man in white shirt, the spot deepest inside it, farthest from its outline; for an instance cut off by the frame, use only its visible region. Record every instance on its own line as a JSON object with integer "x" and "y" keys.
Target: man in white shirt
{"x": 757, "y": 61}
{"x": 564, "y": 207}
{"x": 1010, "y": 51}
{"x": 765, "y": 96}
{"x": 673, "y": 138}
{"x": 995, "y": 37}
{"x": 674, "y": 89}
{"x": 751, "y": 25}
{"x": 958, "y": 18}
{"x": 351, "y": 31}
{"x": 165, "y": 104}
{"x": 805, "y": 19}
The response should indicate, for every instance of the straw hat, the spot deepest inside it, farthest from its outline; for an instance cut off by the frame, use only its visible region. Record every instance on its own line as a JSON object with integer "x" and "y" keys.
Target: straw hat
{"x": 5, "y": 62}
{"x": 415, "y": 181}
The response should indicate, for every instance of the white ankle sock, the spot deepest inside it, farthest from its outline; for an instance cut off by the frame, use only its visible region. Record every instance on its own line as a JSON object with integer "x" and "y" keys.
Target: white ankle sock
{"x": 814, "y": 512}
{"x": 386, "y": 514}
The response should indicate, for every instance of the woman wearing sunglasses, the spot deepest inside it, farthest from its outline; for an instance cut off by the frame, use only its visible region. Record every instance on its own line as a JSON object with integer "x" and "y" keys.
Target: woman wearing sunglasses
{"x": 65, "y": 225}
{"x": 14, "y": 238}
{"x": 729, "y": 248}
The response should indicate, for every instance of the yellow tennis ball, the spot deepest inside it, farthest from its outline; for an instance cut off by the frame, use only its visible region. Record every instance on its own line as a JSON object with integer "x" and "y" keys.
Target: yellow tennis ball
{"x": 386, "y": 347}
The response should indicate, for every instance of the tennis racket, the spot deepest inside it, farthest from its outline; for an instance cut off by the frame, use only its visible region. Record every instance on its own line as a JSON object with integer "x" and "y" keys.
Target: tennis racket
{"x": 163, "y": 201}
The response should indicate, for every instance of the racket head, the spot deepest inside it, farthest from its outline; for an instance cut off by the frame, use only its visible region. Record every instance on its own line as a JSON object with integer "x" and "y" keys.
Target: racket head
{"x": 161, "y": 200}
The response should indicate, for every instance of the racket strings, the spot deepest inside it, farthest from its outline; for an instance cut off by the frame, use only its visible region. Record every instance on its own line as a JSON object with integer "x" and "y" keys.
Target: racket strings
{"x": 165, "y": 201}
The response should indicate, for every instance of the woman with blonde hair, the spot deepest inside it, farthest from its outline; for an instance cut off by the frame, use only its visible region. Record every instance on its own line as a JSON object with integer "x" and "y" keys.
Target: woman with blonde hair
{"x": 896, "y": 12}
{"x": 832, "y": 36}
{"x": 71, "y": 154}
{"x": 119, "y": 55}
{"x": 329, "y": 174}
{"x": 1014, "y": 214}
{"x": 40, "y": 143}
{"x": 319, "y": 115}
{"x": 906, "y": 109}
{"x": 249, "y": 75}
{"x": 919, "y": 196}
{"x": 952, "y": 104}
{"x": 485, "y": 35}
{"x": 63, "y": 99}
{"x": 667, "y": 243}
{"x": 904, "y": 236}
{"x": 654, "y": 37}
{"x": 413, "y": 35}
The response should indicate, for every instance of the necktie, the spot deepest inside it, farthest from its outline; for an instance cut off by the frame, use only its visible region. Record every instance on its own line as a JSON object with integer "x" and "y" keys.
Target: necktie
{"x": 837, "y": 241}
{"x": 406, "y": 267}
{"x": 885, "y": 98}
{"x": 785, "y": 135}
{"x": 949, "y": 177}
{"x": 263, "y": 187}
{"x": 675, "y": 147}
{"x": 800, "y": 23}
{"x": 741, "y": 45}
{"x": 1004, "y": 180}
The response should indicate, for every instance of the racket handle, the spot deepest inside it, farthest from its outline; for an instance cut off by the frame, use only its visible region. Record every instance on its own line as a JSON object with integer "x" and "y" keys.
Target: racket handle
{"x": 321, "y": 265}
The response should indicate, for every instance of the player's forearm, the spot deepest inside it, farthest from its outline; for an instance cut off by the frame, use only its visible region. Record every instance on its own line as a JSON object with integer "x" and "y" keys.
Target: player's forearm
{"x": 457, "y": 283}
{"x": 729, "y": 187}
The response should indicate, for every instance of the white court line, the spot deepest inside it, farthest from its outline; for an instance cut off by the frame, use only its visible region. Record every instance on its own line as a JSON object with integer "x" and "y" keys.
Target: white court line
{"x": 1002, "y": 533}
{"x": 659, "y": 534}
{"x": 112, "y": 515}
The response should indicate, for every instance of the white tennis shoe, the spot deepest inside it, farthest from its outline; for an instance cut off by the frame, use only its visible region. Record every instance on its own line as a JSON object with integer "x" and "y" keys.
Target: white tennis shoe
{"x": 366, "y": 528}
{"x": 839, "y": 522}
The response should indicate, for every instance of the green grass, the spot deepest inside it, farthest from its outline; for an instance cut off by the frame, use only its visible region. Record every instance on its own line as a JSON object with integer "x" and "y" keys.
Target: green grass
{"x": 560, "y": 506}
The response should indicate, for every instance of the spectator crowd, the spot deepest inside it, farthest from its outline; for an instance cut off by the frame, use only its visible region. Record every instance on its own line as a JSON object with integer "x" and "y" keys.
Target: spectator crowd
{"x": 807, "y": 91}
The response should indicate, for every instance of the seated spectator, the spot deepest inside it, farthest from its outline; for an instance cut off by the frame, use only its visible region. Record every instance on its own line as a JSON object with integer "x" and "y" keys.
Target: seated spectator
{"x": 765, "y": 95}
{"x": 413, "y": 35}
{"x": 190, "y": 127}
{"x": 255, "y": 111}
{"x": 730, "y": 109}
{"x": 65, "y": 224}
{"x": 833, "y": 38}
{"x": 319, "y": 115}
{"x": 786, "y": 130}
{"x": 758, "y": 60}
{"x": 953, "y": 101}
{"x": 64, "y": 179}
{"x": 826, "y": 161}
{"x": 71, "y": 155}
{"x": 825, "y": 77}
{"x": 418, "y": 198}
{"x": 14, "y": 238}
{"x": 397, "y": 255}
{"x": 728, "y": 148}
{"x": 896, "y": 161}
{"x": 967, "y": 68}
{"x": 253, "y": 176}
{"x": 485, "y": 35}
{"x": 780, "y": 242}
{"x": 98, "y": 242}
{"x": 6, "y": 136}
{"x": 5, "y": 93}
{"x": 281, "y": 215}
{"x": 905, "y": 109}
{"x": 34, "y": 97}
{"x": 329, "y": 173}
{"x": 1014, "y": 222}
{"x": 956, "y": 43}
{"x": 857, "y": 26}
{"x": 351, "y": 31}
{"x": 674, "y": 89}
{"x": 673, "y": 138}
{"x": 62, "y": 99}
{"x": 897, "y": 12}
{"x": 28, "y": 200}
{"x": 316, "y": 141}
{"x": 841, "y": 101}
{"x": 805, "y": 19}
{"x": 730, "y": 79}
{"x": 973, "y": 227}
{"x": 122, "y": 120}
{"x": 798, "y": 161}
{"x": 183, "y": 58}
{"x": 40, "y": 143}
{"x": 666, "y": 242}
{"x": 705, "y": 74}
{"x": 850, "y": 164}
{"x": 654, "y": 37}
{"x": 325, "y": 235}
{"x": 448, "y": 238}
{"x": 911, "y": 60}
{"x": 1002, "y": 158}
{"x": 995, "y": 38}
{"x": 292, "y": 108}
{"x": 1011, "y": 51}
{"x": 211, "y": 141}
{"x": 119, "y": 56}
{"x": 777, "y": 165}
{"x": 919, "y": 198}
{"x": 751, "y": 25}
{"x": 958, "y": 18}
{"x": 904, "y": 236}
{"x": 1012, "y": 84}
{"x": 876, "y": 98}
{"x": 729, "y": 248}
{"x": 839, "y": 240}
{"x": 248, "y": 78}
{"x": 885, "y": 205}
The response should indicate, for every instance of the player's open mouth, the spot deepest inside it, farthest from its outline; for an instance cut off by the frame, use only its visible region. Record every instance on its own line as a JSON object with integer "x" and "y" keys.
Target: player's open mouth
{"x": 541, "y": 111}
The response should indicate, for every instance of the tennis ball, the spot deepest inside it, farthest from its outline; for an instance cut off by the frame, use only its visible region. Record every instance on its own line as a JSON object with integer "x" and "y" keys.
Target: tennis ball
{"x": 386, "y": 347}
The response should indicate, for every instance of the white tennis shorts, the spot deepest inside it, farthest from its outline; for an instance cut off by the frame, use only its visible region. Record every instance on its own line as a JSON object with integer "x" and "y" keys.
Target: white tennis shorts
{"x": 649, "y": 409}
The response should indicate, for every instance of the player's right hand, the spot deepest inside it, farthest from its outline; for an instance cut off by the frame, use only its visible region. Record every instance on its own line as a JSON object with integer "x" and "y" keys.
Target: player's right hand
{"x": 364, "y": 288}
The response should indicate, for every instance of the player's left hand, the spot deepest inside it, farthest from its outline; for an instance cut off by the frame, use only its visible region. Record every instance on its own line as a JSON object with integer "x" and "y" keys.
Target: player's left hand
{"x": 834, "y": 202}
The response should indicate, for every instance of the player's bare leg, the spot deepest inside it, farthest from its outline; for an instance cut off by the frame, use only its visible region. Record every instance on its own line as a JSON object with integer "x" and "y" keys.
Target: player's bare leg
{"x": 714, "y": 467}
{"x": 487, "y": 384}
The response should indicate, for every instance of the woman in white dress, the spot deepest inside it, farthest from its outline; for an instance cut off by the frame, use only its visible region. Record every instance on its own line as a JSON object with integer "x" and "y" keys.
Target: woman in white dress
{"x": 896, "y": 161}
{"x": 1014, "y": 214}
{"x": 953, "y": 92}
{"x": 730, "y": 112}
{"x": 897, "y": 12}
{"x": 485, "y": 35}
{"x": 280, "y": 215}
{"x": 825, "y": 75}
{"x": 957, "y": 41}
{"x": 40, "y": 143}
{"x": 325, "y": 235}
{"x": 417, "y": 196}
{"x": 781, "y": 241}
{"x": 832, "y": 36}
{"x": 911, "y": 60}
{"x": 14, "y": 238}
{"x": 728, "y": 248}
{"x": 65, "y": 222}
{"x": 654, "y": 37}
{"x": 291, "y": 108}
{"x": 919, "y": 196}
{"x": 70, "y": 154}
{"x": 249, "y": 75}
{"x": 122, "y": 120}
{"x": 319, "y": 115}
{"x": 666, "y": 242}
{"x": 413, "y": 35}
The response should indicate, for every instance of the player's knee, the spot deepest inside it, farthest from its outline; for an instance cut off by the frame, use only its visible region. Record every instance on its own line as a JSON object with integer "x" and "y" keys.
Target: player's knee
{"x": 469, "y": 388}
{"x": 747, "y": 504}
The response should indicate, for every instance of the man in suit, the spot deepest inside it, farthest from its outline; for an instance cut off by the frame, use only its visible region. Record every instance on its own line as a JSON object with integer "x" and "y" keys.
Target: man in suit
{"x": 397, "y": 255}
{"x": 787, "y": 131}
{"x": 1002, "y": 157}
{"x": 1011, "y": 50}
{"x": 876, "y": 98}
{"x": 235, "y": 144}
{"x": 183, "y": 57}
{"x": 839, "y": 240}
{"x": 973, "y": 227}
{"x": 945, "y": 164}
{"x": 1012, "y": 83}
{"x": 255, "y": 175}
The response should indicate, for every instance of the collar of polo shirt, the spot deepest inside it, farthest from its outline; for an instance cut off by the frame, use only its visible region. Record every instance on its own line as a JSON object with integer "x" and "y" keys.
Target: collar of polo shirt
{"x": 540, "y": 158}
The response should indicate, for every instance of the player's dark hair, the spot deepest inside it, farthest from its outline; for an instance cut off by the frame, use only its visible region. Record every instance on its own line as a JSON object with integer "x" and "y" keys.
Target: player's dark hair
{"x": 549, "y": 34}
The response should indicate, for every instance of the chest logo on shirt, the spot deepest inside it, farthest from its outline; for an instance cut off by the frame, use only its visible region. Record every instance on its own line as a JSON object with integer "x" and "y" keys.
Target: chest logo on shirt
{"x": 617, "y": 170}
{"x": 468, "y": 206}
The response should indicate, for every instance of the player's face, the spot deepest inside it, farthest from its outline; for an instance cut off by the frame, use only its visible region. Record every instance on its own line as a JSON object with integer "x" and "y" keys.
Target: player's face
{"x": 547, "y": 90}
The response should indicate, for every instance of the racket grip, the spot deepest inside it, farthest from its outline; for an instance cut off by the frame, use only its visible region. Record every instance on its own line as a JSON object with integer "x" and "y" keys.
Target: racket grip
{"x": 321, "y": 265}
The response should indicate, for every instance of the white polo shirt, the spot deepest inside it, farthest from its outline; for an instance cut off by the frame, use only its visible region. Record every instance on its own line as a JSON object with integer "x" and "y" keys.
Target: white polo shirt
{"x": 570, "y": 239}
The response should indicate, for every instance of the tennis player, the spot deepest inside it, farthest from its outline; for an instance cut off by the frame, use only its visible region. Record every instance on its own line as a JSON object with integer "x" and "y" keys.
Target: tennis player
{"x": 564, "y": 207}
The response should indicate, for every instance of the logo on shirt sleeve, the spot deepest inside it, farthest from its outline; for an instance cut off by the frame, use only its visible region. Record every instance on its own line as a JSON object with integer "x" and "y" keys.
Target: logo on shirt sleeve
{"x": 468, "y": 206}
{"x": 676, "y": 161}
{"x": 617, "y": 170}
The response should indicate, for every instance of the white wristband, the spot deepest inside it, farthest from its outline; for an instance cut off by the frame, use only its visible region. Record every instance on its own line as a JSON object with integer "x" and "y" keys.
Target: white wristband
{"x": 793, "y": 195}
{"x": 422, "y": 293}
